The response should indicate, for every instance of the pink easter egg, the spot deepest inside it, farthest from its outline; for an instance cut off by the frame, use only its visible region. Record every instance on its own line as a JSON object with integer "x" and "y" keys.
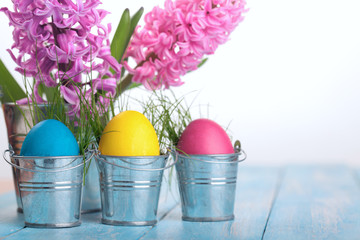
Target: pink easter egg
{"x": 203, "y": 136}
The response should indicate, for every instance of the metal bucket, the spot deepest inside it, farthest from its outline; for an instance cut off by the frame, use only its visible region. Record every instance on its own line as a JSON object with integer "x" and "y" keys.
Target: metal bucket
{"x": 50, "y": 189}
{"x": 91, "y": 190}
{"x": 16, "y": 117}
{"x": 130, "y": 188}
{"x": 207, "y": 185}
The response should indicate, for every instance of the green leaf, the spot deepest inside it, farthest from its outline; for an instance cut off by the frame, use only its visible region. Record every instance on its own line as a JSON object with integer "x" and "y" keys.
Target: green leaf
{"x": 133, "y": 85}
{"x": 120, "y": 40}
{"x": 134, "y": 21}
{"x": 11, "y": 90}
{"x": 202, "y": 62}
{"x": 50, "y": 92}
{"x": 122, "y": 86}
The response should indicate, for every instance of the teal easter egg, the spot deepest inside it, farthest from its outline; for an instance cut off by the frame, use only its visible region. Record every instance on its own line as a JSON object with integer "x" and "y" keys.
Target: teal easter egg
{"x": 50, "y": 138}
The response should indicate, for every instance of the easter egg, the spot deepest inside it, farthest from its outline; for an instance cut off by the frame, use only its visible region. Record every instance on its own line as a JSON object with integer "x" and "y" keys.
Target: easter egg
{"x": 50, "y": 138}
{"x": 203, "y": 136}
{"x": 129, "y": 133}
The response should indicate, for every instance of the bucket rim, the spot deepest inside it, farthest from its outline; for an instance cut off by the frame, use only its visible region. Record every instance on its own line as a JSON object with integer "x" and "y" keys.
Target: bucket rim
{"x": 45, "y": 157}
{"x": 236, "y": 153}
{"x": 28, "y": 104}
{"x": 49, "y": 170}
{"x": 166, "y": 157}
{"x": 197, "y": 157}
{"x": 134, "y": 157}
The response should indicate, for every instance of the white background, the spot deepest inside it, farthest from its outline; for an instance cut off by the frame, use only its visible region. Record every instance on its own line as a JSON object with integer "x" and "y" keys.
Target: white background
{"x": 287, "y": 81}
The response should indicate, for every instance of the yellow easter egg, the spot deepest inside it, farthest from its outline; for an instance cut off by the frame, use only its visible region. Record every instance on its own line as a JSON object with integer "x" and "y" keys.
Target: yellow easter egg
{"x": 129, "y": 133}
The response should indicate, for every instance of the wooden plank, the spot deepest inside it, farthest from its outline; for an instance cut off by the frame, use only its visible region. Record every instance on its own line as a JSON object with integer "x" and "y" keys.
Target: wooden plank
{"x": 10, "y": 220}
{"x": 255, "y": 192}
{"x": 316, "y": 203}
{"x": 92, "y": 228}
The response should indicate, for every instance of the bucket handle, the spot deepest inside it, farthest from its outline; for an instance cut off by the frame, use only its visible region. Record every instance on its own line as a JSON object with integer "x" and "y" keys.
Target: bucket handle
{"x": 138, "y": 164}
{"x": 241, "y": 152}
{"x": 238, "y": 151}
{"x": 98, "y": 156}
{"x": 11, "y": 153}
{"x": 34, "y": 164}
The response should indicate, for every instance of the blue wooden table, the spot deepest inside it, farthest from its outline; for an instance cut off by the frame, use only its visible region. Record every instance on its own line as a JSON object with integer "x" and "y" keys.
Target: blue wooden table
{"x": 297, "y": 202}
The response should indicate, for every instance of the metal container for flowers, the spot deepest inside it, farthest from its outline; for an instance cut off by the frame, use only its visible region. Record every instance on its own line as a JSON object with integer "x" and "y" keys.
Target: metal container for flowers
{"x": 16, "y": 117}
{"x": 50, "y": 188}
{"x": 207, "y": 185}
{"x": 130, "y": 188}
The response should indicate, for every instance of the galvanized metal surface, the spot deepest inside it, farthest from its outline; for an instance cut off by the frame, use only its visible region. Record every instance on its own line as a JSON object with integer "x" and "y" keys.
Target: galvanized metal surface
{"x": 50, "y": 189}
{"x": 130, "y": 197}
{"x": 91, "y": 201}
{"x": 19, "y": 119}
{"x": 207, "y": 186}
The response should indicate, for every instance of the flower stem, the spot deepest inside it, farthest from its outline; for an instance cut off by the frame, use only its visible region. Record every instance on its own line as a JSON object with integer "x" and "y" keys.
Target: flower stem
{"x": 123, "y": 85}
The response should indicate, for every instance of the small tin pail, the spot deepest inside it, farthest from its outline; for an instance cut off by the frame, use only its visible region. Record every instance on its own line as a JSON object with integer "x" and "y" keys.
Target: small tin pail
{"x": 130, "y": 188}
{"x": 91, "y": 190}
{"x": 16, "y": 119}
{"x": 207, "y": 185}
{"x": 50, "y": 189}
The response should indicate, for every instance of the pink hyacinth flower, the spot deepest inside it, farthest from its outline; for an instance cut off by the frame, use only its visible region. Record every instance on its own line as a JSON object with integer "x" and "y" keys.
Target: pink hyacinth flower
{"x": 175, "y": 39}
